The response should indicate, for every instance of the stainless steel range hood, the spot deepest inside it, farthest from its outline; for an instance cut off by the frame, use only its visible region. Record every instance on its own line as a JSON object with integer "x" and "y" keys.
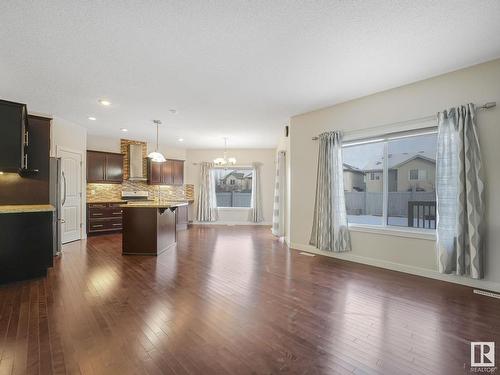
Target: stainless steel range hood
{"x": 135, "y": 163}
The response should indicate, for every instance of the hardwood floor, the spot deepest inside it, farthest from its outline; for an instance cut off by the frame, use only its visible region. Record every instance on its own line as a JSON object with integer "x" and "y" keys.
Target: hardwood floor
{"x": 234, "y": 300}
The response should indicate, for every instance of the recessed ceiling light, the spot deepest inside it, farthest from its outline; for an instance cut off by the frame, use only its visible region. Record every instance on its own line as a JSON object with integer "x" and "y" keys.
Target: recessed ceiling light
{"x": 124, "y": 130}
{"x": 104, "y": 102}
{"x": 91, "y": 118}
{"x": 181, "y": 139}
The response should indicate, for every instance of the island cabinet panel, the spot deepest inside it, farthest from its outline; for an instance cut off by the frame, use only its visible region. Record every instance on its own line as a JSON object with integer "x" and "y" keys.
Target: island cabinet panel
{"x": 148, "y": 230}
{"x": 104, "y": 167}
{"x": 104, "y": 217}
{"x": 170, "y": 172}
{"x": 181, "y": 218}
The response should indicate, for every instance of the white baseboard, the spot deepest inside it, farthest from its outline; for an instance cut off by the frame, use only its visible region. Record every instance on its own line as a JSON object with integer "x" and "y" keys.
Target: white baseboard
{"x": 231, "y": 223}
{"x": 424, "y": 272}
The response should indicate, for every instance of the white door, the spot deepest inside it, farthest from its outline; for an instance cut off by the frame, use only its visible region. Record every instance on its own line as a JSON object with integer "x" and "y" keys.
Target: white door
{"x": 71, "y": 197}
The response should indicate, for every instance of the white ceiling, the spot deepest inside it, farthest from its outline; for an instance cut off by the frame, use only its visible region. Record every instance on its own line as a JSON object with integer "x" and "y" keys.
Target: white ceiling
{"x": 231, "y": 68}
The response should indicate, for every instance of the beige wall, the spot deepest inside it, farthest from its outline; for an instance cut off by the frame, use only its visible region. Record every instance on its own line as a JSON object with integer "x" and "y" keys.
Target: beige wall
{"x": 244, "y": 157}
{"x": 403, "y": 172}
{"x": 478, "y": 84}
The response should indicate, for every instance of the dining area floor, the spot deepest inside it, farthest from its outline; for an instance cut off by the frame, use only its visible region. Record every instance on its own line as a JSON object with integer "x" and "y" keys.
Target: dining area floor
{"x": 235, "y": 300}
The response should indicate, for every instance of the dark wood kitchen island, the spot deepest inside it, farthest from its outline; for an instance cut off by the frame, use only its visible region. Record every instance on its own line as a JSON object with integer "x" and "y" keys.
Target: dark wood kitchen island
{"x": 149, "y": 228}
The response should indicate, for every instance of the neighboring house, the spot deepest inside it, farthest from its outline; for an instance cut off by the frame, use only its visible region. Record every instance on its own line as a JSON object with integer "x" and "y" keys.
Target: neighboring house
{"x": 354, "y": 178}
{"x": 416, "y": 174}
{"x": 236, "y": 181}
{"x": 407, "y": 172}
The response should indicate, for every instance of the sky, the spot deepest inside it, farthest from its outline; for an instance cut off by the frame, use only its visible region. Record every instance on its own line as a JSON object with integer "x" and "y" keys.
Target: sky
{"x": 360, "y": 156}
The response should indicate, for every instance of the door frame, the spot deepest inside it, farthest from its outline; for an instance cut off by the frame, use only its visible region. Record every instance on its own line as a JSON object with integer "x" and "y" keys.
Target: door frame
{"x": 83, "y": 184}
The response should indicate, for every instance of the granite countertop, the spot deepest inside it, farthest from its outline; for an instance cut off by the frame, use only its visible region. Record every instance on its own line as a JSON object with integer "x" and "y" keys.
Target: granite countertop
{"x": 21, "y": 208}
{"x": 91, "y": 201}
{"x": 154, "y": 204}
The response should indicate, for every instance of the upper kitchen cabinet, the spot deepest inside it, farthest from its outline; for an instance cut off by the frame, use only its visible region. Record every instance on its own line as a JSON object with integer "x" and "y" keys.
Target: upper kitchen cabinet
{"x": 114, "y": 168}
{"x": 154, "y": 173}
{"x": 177, "y": 172}
{"x": 104, "y": 167}
{"x": 170, "y": 172}
{"x": 166, "y": 173}
{"x": 13, "y": 127}
{"x": 30, "y": 187}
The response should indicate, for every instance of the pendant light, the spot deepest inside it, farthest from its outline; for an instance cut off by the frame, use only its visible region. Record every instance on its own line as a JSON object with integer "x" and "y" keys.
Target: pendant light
{"x": 156, "y": 156}
{"x": 225, "y": 160}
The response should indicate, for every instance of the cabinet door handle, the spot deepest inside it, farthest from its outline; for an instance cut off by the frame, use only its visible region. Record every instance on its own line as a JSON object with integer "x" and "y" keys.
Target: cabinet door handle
{"x": 117, "y": 213}
{"x": 117, "y": 225}
{"x": 97, "y": 226}
{"x": 96, "y": 214}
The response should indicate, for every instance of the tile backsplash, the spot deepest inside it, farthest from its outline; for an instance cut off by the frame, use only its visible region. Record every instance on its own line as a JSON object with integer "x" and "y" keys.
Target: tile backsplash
{"x": 104, "y": 192}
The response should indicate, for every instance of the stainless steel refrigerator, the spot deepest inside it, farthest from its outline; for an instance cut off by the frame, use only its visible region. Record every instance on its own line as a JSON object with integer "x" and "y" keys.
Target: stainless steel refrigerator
{"x": 56, "y": 178}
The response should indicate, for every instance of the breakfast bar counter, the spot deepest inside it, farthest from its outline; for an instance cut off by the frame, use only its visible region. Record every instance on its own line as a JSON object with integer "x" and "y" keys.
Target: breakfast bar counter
{"x": 149, "y": 228}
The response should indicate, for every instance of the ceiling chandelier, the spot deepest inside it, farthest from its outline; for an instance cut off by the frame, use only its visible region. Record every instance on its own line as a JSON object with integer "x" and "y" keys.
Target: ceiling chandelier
{"x": 225, "y": 160}
{"x": 157, "y": 156}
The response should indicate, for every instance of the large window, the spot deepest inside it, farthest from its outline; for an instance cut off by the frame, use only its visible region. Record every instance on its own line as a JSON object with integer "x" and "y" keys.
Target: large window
{"x": 233, "y": 187}
{"x": 390, "y": 181}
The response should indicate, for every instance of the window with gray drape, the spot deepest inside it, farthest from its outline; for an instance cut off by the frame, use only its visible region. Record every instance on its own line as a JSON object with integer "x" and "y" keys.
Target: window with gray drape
{"x": 330, "y": 230}
{"x": 459, "y": 187}
{"x": 207, "y": 203}
{"x": 256, "y": 215}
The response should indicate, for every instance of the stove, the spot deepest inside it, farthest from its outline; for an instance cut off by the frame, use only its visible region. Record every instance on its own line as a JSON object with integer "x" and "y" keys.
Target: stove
{"x": 136, "y": 196}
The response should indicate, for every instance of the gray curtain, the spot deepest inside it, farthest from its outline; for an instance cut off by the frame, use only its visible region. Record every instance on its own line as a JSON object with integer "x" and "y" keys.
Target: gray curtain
{"x": 459, "y": 187}
{"x": 330, "y": 230}
{"x": 207, "y": 203}
{"x": 256, "y": 210}
{"x": 279, "y": 196}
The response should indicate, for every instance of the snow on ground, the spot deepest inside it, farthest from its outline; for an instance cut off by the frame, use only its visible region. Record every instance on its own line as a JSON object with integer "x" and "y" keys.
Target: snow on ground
{"x": 395, "y": 221}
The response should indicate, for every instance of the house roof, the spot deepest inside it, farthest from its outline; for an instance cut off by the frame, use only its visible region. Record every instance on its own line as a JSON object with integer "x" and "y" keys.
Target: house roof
{"x": 238, "y": 175}
{"x": 396, "y": 160}
{"x": 351, "y": 168}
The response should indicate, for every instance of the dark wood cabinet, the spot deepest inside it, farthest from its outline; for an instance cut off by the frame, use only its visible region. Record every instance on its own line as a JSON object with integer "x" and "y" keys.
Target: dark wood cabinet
{"x": 114, "y": 168}
{"x": 170, "y": 172}
{"x": 13, "y": 127}
{"x": 26, "y": 250}
{"x": 177, "y": 172}
{"x": 104, "y": 217}
{"x": 104, "y": 167}
{"x": 31, "y": 188}
{"x": 166, "y": 173}
{"x": 154, "y": 173}
{"x": 96, "y": 165}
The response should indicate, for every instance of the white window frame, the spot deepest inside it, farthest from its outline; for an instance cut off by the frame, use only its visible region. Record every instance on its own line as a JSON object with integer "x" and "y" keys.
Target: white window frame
{"x": 239, "y": 168}
{"x": 357, "y": 139}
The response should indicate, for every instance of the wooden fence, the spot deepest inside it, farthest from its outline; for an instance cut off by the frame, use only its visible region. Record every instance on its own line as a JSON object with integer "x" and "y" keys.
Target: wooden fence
{"x": 371, "y": 203}
{"x": 233, "y": 199}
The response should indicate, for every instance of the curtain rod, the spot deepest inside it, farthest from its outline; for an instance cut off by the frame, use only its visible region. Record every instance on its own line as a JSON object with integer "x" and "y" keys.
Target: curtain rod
{"x": 488, "y": 105}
